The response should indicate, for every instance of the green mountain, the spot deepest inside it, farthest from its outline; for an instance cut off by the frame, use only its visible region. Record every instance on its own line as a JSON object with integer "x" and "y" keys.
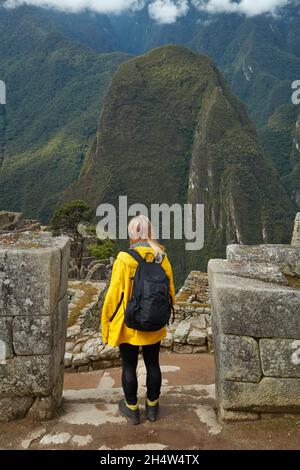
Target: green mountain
{"x": 280, "y": 139}
{"x": 170, "y": 132}
{"x": 58, "y": 67}
{"x": 55, "y": 89}
{"x": 260, "y": 56}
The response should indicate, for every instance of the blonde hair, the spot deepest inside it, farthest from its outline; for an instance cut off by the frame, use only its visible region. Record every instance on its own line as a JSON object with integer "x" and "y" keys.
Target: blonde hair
{"x": 141, "y": 229}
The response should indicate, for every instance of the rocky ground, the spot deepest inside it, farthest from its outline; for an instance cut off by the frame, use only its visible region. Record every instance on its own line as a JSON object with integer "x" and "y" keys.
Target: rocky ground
{"x": 90, "y": 418}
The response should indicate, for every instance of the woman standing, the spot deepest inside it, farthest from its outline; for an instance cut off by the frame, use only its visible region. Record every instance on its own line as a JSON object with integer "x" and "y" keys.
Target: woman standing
{"x": 116, "y": 333}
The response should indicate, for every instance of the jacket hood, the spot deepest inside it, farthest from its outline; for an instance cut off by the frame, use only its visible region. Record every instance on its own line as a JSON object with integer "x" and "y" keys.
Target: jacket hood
{"x": 129, "y": 260}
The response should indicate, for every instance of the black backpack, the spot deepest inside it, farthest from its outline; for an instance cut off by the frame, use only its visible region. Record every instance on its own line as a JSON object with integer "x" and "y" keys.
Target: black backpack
{"x": 150, "y": 305}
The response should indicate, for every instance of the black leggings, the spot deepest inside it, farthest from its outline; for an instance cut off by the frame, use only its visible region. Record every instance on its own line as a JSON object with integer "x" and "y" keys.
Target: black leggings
{"x": 130, "y": 355}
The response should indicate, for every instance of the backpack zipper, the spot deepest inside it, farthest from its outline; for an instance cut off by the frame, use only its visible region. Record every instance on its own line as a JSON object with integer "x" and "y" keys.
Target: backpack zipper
{"x": 118, "y": 306}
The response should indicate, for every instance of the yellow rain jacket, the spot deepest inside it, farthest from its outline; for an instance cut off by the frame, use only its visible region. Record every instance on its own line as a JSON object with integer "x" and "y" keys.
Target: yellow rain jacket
{"x": 115, "y": 332}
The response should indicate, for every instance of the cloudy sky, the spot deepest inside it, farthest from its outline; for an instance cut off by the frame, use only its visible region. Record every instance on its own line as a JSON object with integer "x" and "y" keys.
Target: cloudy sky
{"x": 162, "y": 11}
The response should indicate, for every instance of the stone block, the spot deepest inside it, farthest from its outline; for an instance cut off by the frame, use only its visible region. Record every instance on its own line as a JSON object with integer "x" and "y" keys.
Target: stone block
{"x": 29, "y": 282}
{"x": 65, "y": 247}
{"x": 199, "y": 349}
{"x": 182, "y": 331}
{"x": 26, "y": 376}
{"x": 14, "y": 408}
{"x": 31, "y": 272}
{"x": 68, "y": 359}
{"x": 239, "y": 359}
{"x": 197, "y": 337}
{"x": 183, "y": 348}
{"x": 33, "y": 317}
{"x": 61, "y": 320}
{"x": 168, "y": 341}
{"x": 286, "y": 257}
{"x": 265, "y": 272}
{"x": 32, "y": 335}
{"x": 57, "y": 358}
{"x": 45, "y": 408}
{"x": 238, "y": 416}
{"x": 248, "y": 307}
{"x": 280, "y": 357}
{"x": 80, "y": 359}
{"x": 200, "y": 321}
{"x": 269, "y": 395}
{"x": 109, "y": 353}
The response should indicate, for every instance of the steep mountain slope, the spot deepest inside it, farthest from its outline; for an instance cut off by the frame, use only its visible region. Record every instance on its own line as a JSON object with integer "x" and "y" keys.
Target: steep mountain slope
{"x": 54, "y": 93}
{"x": 261, "y": 67}
{"x": 93, "y": 30}
{"x": 260, "y": 56}
{"x": 171, "y": 131}
{"x": 281, "y": 140}
{"x": 56, "y": 84}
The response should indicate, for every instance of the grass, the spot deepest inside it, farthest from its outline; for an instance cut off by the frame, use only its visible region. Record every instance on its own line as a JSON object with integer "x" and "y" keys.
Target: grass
{"x": 89, "y": 293}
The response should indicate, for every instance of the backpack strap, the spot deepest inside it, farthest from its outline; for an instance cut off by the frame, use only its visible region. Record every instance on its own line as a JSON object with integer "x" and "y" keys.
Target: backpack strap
{"x": 134, "y": 255}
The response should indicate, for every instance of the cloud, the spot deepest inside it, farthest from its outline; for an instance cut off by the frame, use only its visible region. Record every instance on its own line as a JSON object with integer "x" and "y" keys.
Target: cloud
{"x": 246, "y": 7}
{"x": 161, "y": 11}
{"x": 168, "y": 11}
{"x": 99, "y": 6}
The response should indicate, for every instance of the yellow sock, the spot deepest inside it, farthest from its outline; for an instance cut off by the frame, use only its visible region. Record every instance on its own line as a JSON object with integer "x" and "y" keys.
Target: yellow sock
{"x": 152, "y": 403}
{"x": 132, "y": 407}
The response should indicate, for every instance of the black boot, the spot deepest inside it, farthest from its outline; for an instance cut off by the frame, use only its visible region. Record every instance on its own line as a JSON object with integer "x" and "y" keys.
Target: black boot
{"x": 132, "y": 415}
{"x": 152, "y": 411}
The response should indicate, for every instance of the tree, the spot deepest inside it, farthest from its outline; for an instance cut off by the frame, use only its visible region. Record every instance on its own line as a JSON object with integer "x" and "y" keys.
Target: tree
{"x": 67, "y": 219}
{"x": 104, "y": 250}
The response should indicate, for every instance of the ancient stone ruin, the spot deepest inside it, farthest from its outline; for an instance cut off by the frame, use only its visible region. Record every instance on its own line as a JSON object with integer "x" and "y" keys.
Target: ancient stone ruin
{"x": 255, "y": 317}
{"x": 83, "y": 266}
{"x": 191, "y": 331}
{"x": 255, "y": 297}
{"x": 84, "y": 348}
{"x": 33, "y": 321}
{"x": 15, "y": 221}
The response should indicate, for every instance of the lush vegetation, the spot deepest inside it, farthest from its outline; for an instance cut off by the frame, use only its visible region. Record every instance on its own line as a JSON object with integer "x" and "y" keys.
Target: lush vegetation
{"x": 104, "y": 250}
{"x": 70, "y": 219}
{"x": 55, "y": 90}
{"x": 280, "y": 139}
{"x": 68, "y": 216}
{"x": 169, "y": 116}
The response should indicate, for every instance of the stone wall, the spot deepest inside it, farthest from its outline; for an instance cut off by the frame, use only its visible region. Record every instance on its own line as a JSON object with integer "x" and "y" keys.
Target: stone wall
{"x": 191, "y": 331}
{"x": 15, "y": 221}
{"x": 84, "y": 348}
{"x": 256, "y": 328}
{"x": 86, "y": 267}
{"x": 33, "y": 320}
